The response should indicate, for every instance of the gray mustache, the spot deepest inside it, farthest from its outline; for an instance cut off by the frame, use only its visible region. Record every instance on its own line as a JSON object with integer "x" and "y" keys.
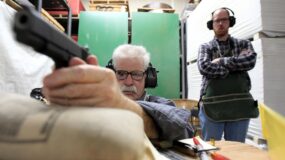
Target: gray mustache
{"x": 128, "y": 89}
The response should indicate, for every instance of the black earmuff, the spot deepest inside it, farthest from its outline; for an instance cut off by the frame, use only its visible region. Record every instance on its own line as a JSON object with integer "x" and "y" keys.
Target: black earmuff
{"x": 151, "y": 74}
{"x": 231, "y": 18}
{"x": 151, "y": 77}
{"x": 110, "y": 65}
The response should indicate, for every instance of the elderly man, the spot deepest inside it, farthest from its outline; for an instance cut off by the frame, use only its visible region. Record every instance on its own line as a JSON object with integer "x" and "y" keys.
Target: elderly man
{"x": 91, "y": 85}
{"x": 134, "y": 72}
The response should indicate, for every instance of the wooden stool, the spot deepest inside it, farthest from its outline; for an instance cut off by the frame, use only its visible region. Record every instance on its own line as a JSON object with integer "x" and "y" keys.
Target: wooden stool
{"x": 192, "y": 106}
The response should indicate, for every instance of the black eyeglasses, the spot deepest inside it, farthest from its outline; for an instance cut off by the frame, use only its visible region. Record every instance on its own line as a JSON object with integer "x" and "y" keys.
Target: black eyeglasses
{"x": 136, "y": 75}
{"x": 223, "y": 20}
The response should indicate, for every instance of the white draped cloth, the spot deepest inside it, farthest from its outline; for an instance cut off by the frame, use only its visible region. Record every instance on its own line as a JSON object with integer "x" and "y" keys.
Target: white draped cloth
{"x": 21, "y": 68}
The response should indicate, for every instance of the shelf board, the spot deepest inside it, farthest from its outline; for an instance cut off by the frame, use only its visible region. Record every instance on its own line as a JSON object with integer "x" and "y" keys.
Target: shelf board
{"x": 51, "y": 5}
{"x": 74, "y": 26}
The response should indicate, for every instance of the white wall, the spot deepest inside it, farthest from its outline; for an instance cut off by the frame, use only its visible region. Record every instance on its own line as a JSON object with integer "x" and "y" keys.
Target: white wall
{"x": 21, "y": 68}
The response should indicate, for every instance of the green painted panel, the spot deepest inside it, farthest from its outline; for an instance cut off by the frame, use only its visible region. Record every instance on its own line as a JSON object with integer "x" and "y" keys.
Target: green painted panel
{"x": 102, "y": 32}
{"x": 159, "y": 33}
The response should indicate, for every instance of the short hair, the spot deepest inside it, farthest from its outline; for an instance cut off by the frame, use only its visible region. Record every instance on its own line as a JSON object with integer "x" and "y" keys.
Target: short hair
{"x": 131, "y": 51}
{"x": 222, "y": 8}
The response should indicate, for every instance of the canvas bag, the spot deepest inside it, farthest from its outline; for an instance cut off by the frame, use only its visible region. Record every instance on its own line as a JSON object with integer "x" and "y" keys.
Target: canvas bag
{"x": 31, "y": 130}
{"x": 229, "y": 99}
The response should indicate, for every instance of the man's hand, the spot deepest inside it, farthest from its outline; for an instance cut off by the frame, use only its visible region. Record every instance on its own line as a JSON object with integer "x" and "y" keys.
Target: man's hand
{"x": 84, "y": 84}
{"x": 216, "y": 61}
{"x": 245, "y": 52}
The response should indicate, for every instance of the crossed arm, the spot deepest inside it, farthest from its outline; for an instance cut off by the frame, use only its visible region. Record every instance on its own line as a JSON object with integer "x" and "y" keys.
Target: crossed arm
{"x": 220, "y": 67}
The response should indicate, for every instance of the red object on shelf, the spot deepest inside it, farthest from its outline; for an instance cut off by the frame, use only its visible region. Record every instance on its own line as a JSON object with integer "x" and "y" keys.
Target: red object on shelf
{"x": 75, "y": 5}
{"x": 75, "y": 38}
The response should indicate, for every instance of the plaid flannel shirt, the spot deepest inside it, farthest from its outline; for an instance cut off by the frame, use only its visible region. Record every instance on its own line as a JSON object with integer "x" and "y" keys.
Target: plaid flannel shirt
{"x": 230, "y": 59}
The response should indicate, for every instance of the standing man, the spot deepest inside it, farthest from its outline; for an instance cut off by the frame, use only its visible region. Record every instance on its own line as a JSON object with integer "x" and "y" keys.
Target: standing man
{"x": 219, "y": 59}
{"x": 134, "y": 72}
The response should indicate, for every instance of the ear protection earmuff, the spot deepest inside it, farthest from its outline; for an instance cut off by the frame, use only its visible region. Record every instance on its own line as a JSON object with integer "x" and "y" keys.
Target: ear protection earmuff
{"x": 151, "y": 74}
{"x": 231, "y": 18}
{"x": 110, "y": 65}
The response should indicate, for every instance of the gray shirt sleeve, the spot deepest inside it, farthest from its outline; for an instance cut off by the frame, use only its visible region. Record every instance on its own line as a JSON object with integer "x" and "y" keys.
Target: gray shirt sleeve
{"x": 172, "y": 122}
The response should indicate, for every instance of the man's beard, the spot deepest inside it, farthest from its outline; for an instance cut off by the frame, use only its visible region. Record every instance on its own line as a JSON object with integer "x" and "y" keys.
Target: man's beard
{"x": 220, "y": 34}
{"x": 125, "y": 88}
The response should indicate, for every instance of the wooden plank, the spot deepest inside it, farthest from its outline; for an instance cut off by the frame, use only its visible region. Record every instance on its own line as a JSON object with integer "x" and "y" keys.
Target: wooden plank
{"x": 44, "y": 13}
{"x": 107, "y": 7}
{"x": 108, "y": 1}
{"x": 166, "y": 10}
{"x": 13, "y": 5}
{"x": 50, "y": 19}
{"x": 239, "y": 151}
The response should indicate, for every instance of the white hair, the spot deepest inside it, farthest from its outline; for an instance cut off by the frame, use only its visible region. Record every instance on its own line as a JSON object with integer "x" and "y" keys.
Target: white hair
{"x": 131, "y": 51}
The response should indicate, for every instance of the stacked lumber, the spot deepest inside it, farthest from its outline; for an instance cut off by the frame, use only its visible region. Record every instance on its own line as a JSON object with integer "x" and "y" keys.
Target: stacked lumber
{"x": 109, "y": 5}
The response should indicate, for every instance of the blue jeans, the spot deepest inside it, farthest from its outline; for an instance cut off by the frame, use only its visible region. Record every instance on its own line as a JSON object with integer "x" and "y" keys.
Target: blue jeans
{"x": 232, "y": 130}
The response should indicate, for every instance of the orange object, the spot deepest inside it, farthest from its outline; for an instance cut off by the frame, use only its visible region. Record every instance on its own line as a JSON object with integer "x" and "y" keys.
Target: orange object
{"x": 217, "y": 156}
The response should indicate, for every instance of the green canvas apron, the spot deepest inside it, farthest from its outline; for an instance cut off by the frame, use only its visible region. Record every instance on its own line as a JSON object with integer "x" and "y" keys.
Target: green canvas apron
{"x": 229, "y": 99}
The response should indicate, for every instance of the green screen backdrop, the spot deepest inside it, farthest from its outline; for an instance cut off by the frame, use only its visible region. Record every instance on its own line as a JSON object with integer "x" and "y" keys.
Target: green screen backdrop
{"x": 102, "y": 32}
{"x": 159, "y": 33}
